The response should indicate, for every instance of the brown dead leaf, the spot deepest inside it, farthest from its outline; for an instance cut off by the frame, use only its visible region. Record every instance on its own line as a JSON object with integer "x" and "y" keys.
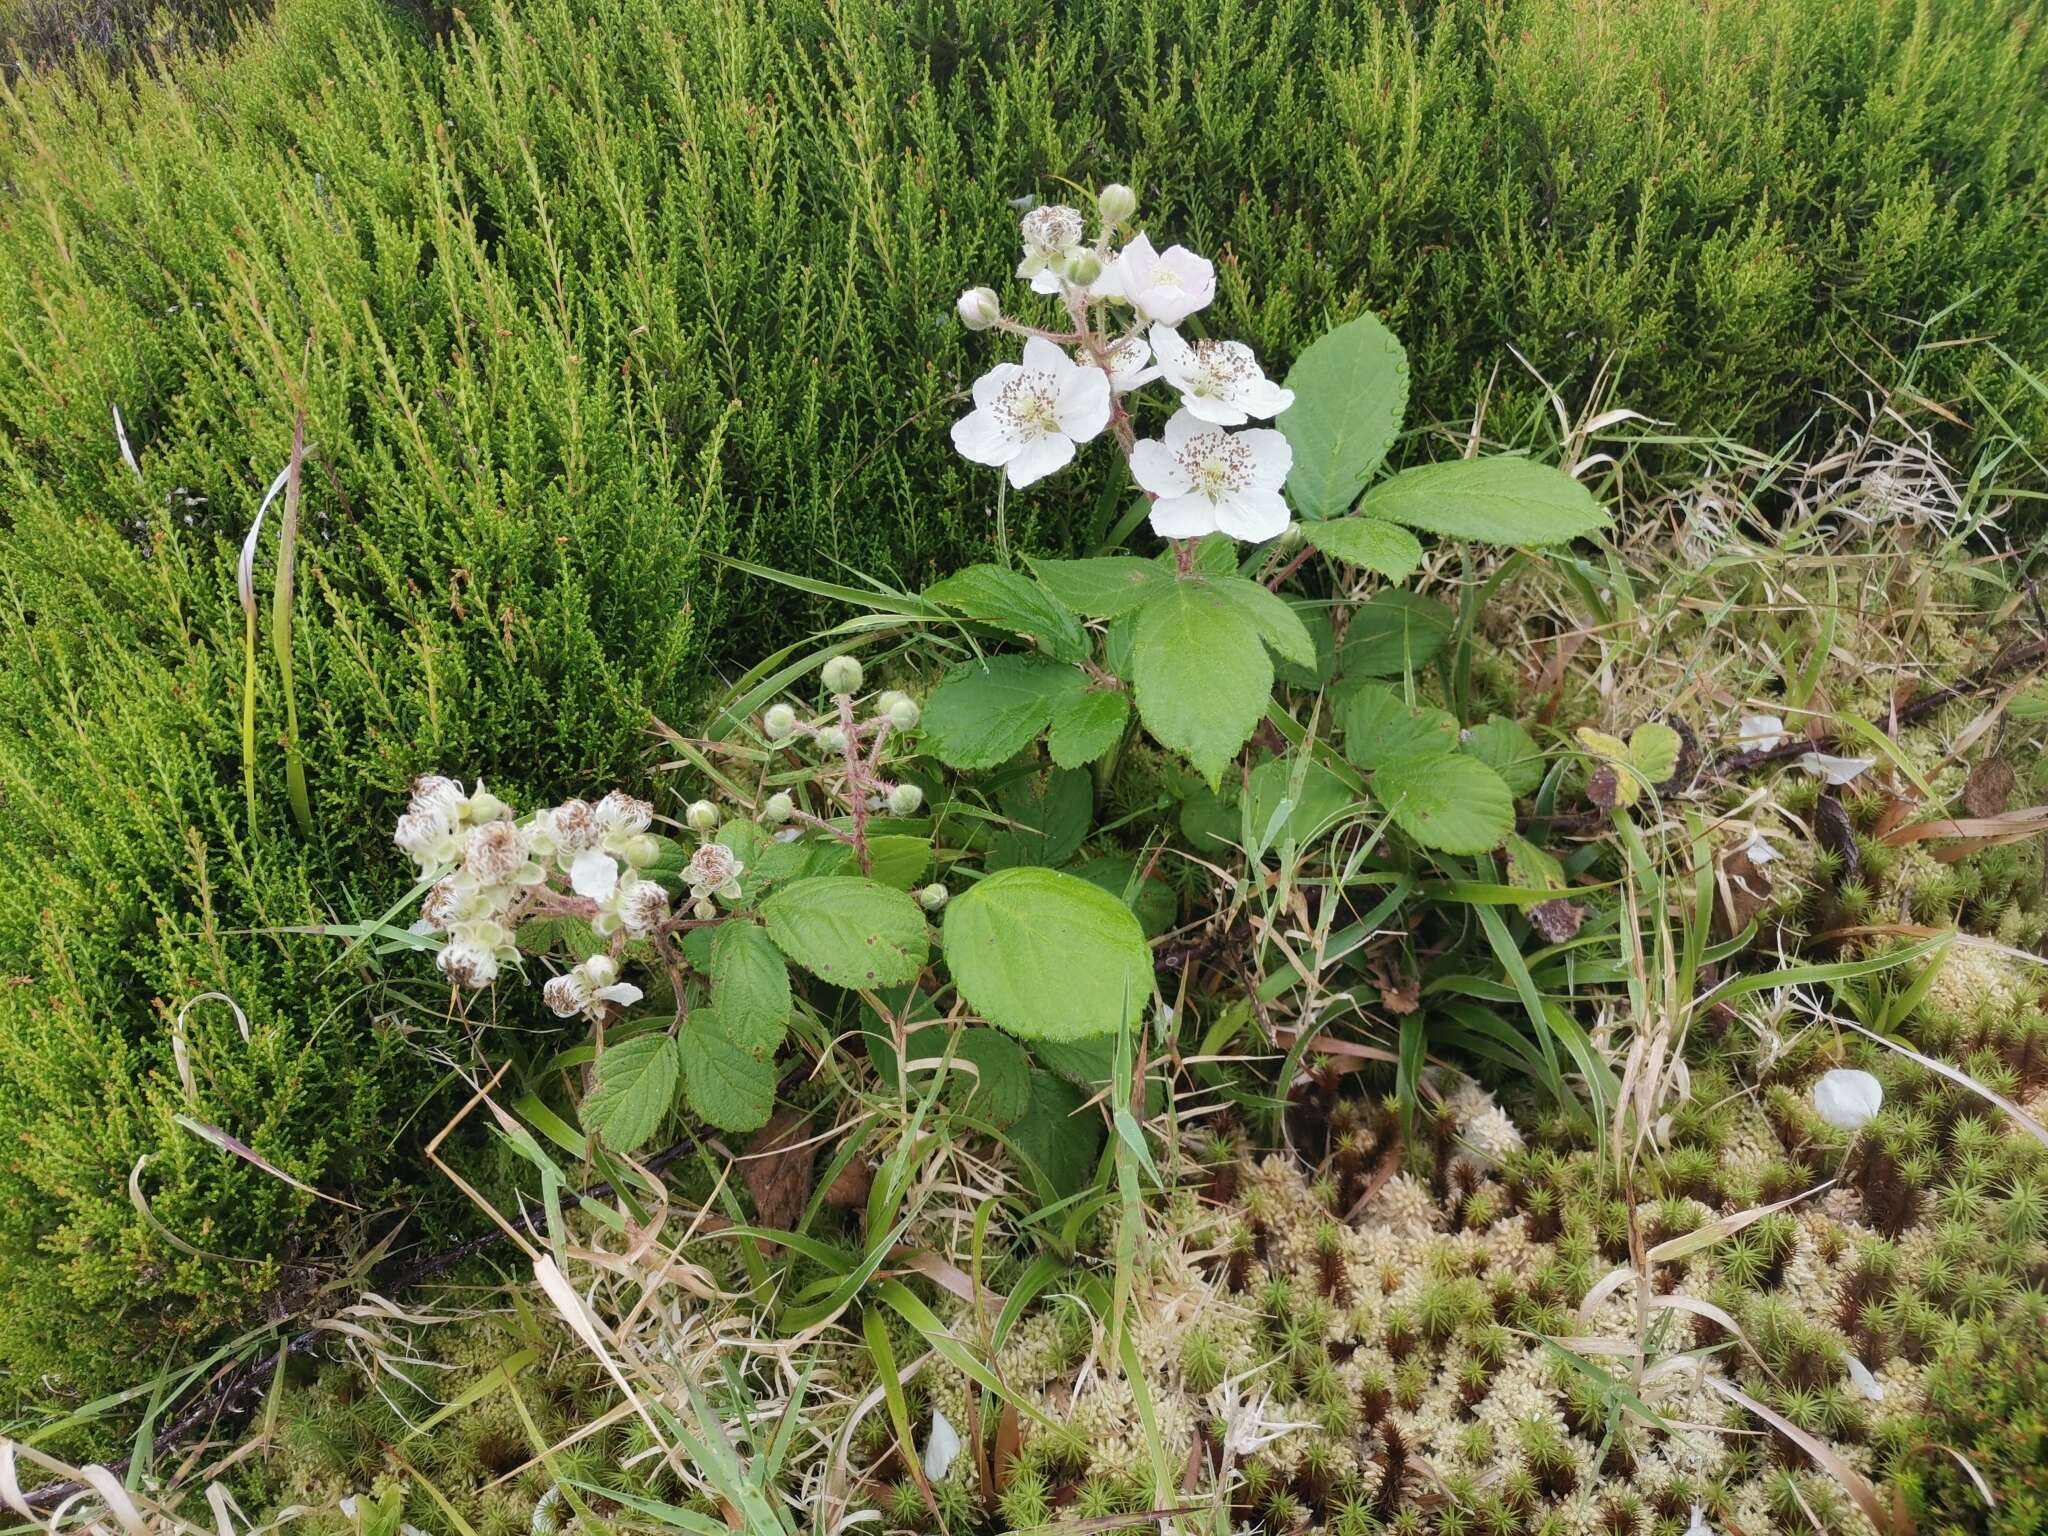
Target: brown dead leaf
{"x": 850, "y": 1190}
{"x": 1835, "y": 832}
{"x": 1557, "y": 920}
{"x": 1745, "y": 891}
{"x": 1604, "y": 787}
{"x": 778, "y": 1169}
{"x": 1988, "y": 790}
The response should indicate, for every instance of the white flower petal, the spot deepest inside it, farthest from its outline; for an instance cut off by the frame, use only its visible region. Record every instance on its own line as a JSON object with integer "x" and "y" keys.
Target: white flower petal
{"x": 1084, "y": 404}
{"x": 1042, "y": 356}
{"x": 1848, "y": 1099}
{"x": 1863, "y": 1383}
{"x": 940, "y": 1446}
{"x": 1045, "y": 280}
{"x": 624, "y": 993}
{"x": 1836, "y": 770}
{"x": 1039, "y": 458}
{"x": 1155, "y": 468}
{"x": 1758, "y": 850}
{"x": 1253, "y": 516}
{"x": 990, "y": 384}
{"x": 980, "y": 438}
{"x": 1272, "y": 456}
{"x": 1218, "y": 413}
{"x": 1182, "y": 427}
{"x": 1760, "y": 733}
{"x": 594, "y": 875}
{"x": 1183, "y": 517}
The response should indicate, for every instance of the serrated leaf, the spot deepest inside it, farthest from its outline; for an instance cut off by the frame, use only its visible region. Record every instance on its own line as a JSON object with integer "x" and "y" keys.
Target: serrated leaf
{"x": 1532, "y": 868}
{"x": 1058, "y": 1135}
{"x": 986, "y": 712}
{"x": 1320, "y": 796}
{"x": 1014, "y": 602}
{"x": 1509, "y": 751}
{"x": 560, "y": 935}
{"x": 1454, "y": 804}
{"x": 1395, "y": 633}
{"x": 1370, "y": 542}
{"x": 1381, "y": 727}
{"x": 1271, "y": 615}
{"x": 1047, "y": 955}
{"x": 750, "y": 985}
{"x": 1316, "y": 620}
{"x": 1087, "y": 725}
{"x": 1050, "y": 814}
{"x": 898, "y": 859}
{"x": 1104, "y": 588}
{"x": 849, "y": 931}
{"x": 1653, "y": 751}
{"x": 1500, "y": 500}
{"x": 990, "y": 1076}
{"x": 1350, "y": 392}
{"x": 1202, "y": 675}
{"x": 636, "y": 1087}
{"x": 1151, "y": 899}
{"x": 727, "y": 1084}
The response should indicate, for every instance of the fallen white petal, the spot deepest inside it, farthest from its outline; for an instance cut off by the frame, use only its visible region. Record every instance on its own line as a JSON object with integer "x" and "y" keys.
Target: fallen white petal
{"x": 1863, "y": 1383}
{"x": 1836, "y": 770}
{"x": 1758, "y": 850}
{"x": 1847, "y": 1098}
{"x": 1760, "y": 733}
{"x": 940, "y": 1447}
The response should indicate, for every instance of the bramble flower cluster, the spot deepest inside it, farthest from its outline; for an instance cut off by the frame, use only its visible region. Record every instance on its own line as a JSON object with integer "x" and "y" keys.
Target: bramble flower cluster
{"x": 491, "y": 872}
{"x": 1208, "y": 471}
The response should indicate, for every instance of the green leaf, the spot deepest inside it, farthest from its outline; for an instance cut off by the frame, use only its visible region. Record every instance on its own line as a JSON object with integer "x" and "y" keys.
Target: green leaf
{"x": 849, "y": 931}
{"x": 1051, "y": 813}
{"x": 1397, "y": 632}
{"x": 1102, "y": 589}
{"x": 750, "y": 985}
{"x": 1202, "y": 675}
{"x": 1509, "y": 751}
{"x": 636, "y": 1087}
{"x": 570, "y": 936}
{"x": 1058, "y": 1135}
{"x": 990, "y": 1076}
{"x": 1047, "y": 956}
{"x": 1454, "y": 804}
{"x": 986, "y": 712}
{"x": 1087, "y": 725}
{"x": 1380, "y": 727}
{"x": 1321, "y": 796}
{"x": 1653, "y": 751}
{"x": 1371, "y": 542}
{"x": 1501, "y": 500}
{"x": 727, "y": 1084}
{"x": 1532, "y": 868}
{"x": 1014, "y": 602}
{"x": 898, "y": 859}
{"x": 1272, "y": 616}
{"x": 1316, "y": 620}
{"x": 1350, "y": 392}
{"x": 1150, "y": 898}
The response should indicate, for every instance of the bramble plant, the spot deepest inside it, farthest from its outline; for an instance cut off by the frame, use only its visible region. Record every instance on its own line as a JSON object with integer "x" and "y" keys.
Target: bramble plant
{"x": 818, "y": 857}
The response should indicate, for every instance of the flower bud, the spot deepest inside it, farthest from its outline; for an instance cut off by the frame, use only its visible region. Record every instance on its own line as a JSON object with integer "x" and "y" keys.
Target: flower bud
{"x": 642, "y": 849}
{"x": 1082, "y": 268}
{"x": 704, "y": 909}
{"x": 932, "y": 897}
{"x": 904, "y": 714}
{"x": 904, "y": 800}
{"x": 841, "y": 674}
{"x": 702, "y": 816}
{"x": 1115, "y": 203}
{"x": 979, "y": 308}
{"x": 831, "y": 740}
{"x": 777, "y": 809}
{"x": 779, "y": 723}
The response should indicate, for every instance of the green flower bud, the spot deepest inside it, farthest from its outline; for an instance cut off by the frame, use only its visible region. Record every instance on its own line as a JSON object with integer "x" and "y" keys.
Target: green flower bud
{"x": 904, "y": 800}
{"x": 702, "y": 816}
{"x": 1083, "y": 268}
{"x": 932, "y": 897}
{"x": 831, "y": 740}
{"x": 778, "y": 809}
{"x": 642, "y": 849}
{"x": 841, "y": 674}
{"x": 979, "y": 308}
{"x": 1116, "y": 203}
{"x": 779, "y": 723}
{"x": 904, "y": 714}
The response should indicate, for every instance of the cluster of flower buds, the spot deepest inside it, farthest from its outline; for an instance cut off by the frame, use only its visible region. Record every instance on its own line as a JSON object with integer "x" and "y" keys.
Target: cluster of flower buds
{"x": 491, "y": 872}
{"x": 1206, "y": 472}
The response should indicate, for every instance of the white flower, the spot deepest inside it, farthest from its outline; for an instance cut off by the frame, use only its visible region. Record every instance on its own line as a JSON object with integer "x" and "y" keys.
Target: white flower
{"x": 1028, "y": 416}
{"x": 620, "y": 816}
{"x": 642, "y": 905}
{"x": 558, "y": 835}
{"x": 595, "y": 981}
{"x": 496, "y": 854}
{"x": 1862, "y": 1382}
{"x": 1208, "y": 480}
{"x": 1760, "y": 733}
{"x": 1219, "y": 381}
{"x": 1848, "y": 1099}
{"x": 1050, "y": 235}
{"x": 1836, "y": 770}
{"x": 1128, "y": 364}
{"x": 428, "y": 837}
{"x": 713, "y": 871}
{"x": 467, "y": 964}
{"x": 433, "y": 792}
{"x": 940, "y": 1447}
{"x": 595, "y": 875}
{"x": 1165, "y": 287}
